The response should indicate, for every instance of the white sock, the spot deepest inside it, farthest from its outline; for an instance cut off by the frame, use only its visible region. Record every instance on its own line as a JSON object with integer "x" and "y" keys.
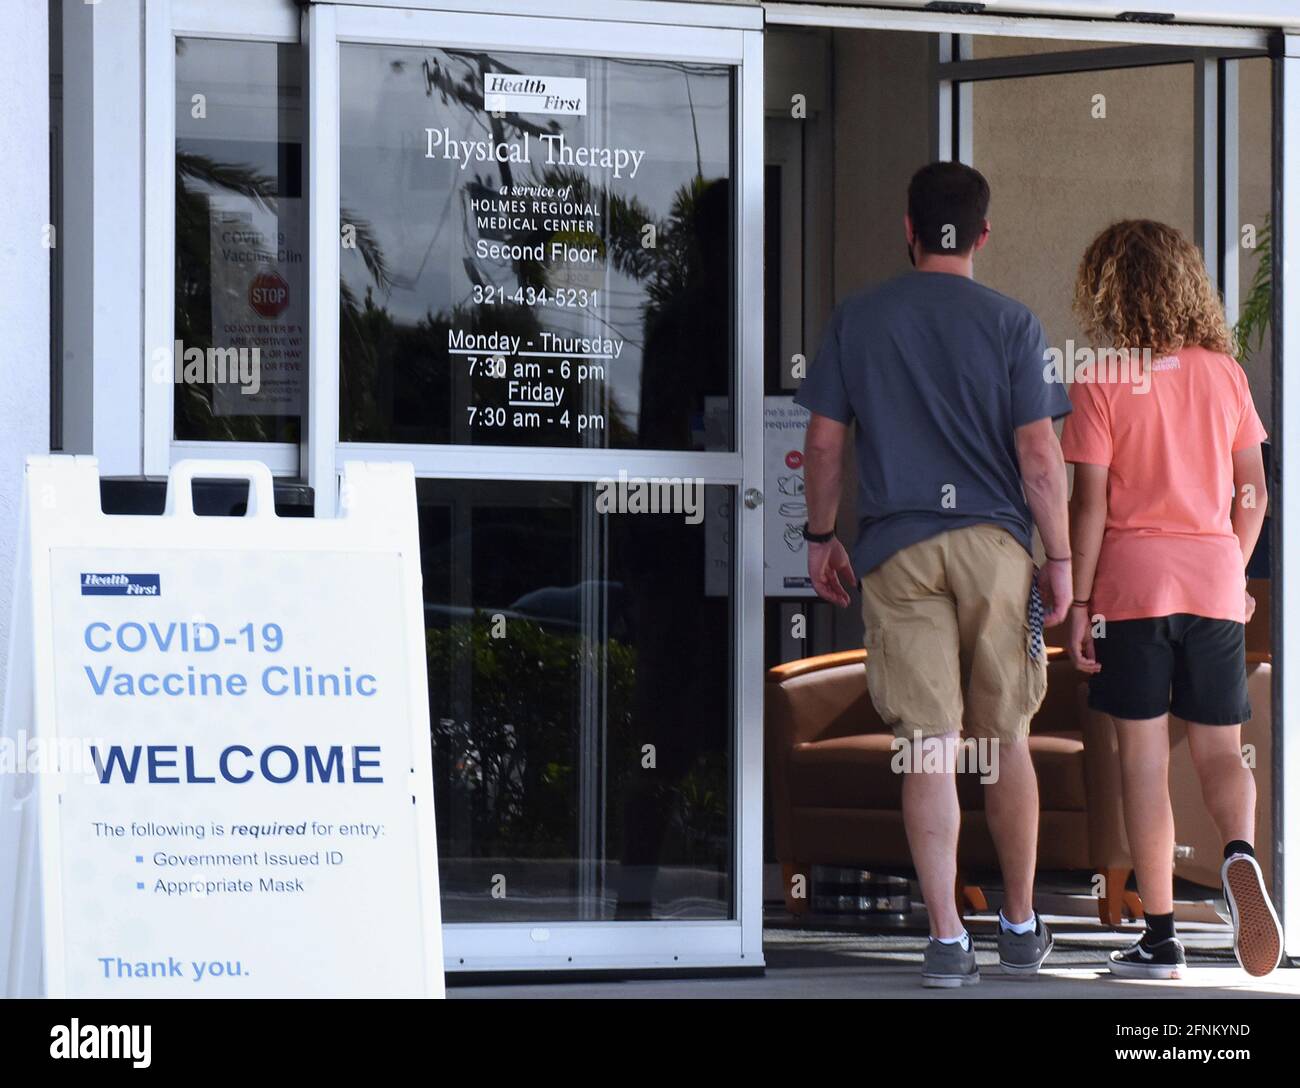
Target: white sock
{"x": 963, "y": 940}
{"x": 1016, "y": 927}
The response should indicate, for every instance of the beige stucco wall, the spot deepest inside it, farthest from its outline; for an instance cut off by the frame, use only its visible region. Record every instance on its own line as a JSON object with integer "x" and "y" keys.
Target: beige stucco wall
{"x": 993, "y": 45}
{"x": 1059, "y": 174}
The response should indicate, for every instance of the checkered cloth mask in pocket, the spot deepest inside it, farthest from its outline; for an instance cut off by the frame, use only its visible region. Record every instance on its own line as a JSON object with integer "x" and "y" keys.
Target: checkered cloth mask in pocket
{"x": 1036, "y": 649}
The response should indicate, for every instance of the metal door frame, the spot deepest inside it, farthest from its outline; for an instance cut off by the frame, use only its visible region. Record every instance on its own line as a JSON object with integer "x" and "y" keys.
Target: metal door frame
{"x": 703, "y": 34}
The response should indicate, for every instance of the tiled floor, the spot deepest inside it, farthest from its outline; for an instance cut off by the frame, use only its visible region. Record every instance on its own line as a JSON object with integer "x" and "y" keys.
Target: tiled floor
{"x": 822, "y": 963}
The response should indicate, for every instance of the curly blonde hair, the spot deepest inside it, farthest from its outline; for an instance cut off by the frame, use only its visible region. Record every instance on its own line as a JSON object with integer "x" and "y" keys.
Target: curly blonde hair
{"x": 1141, "y": 284}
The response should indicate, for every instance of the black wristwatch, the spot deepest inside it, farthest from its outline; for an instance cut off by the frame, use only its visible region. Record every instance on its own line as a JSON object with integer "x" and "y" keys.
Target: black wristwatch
{"x": 818, "y": 538}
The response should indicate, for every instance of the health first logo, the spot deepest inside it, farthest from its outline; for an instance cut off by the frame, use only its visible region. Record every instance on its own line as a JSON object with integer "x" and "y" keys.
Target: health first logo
{"x": 120, "y": 585}
{"x": 268, "y": 295}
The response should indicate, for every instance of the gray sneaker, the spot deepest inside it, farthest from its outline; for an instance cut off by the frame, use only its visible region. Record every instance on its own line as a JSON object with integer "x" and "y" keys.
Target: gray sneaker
{"x": 949, "y": 965}
{"x": 1022, "y": 954}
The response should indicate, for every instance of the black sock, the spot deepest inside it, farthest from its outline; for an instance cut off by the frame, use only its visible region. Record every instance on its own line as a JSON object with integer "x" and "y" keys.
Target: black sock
{"x": 1238, "y": 846}
{"x": 1160, "y": 927}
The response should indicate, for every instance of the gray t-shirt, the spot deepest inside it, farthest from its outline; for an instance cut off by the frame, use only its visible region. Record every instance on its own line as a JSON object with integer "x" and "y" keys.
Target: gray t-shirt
{"x": 938, "y": 371}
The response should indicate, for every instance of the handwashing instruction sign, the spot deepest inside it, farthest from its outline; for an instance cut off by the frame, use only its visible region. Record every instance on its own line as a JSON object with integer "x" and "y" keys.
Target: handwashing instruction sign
{"x": 785, "y": 510}
{"x": 245, "y": 803}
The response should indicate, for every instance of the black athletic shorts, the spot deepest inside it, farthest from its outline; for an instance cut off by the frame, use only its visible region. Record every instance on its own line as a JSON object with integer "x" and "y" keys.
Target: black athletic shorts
{"x": 1189, "y": 666}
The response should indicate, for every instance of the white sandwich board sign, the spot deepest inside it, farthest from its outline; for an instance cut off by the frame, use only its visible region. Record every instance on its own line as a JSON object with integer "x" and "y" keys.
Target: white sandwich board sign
{"x": 224, "y": 784}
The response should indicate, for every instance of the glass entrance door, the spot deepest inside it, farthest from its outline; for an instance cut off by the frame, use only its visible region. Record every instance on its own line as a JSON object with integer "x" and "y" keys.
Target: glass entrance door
{"x": 537, "y": 278}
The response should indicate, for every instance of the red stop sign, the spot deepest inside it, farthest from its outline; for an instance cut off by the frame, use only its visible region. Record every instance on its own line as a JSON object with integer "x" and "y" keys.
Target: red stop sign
{"x": 268, "y": 294}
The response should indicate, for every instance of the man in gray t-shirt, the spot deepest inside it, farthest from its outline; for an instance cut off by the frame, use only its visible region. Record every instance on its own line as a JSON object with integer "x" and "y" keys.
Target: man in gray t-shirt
{"x": 938, "y": 371}
{"x": 957, "y": 459}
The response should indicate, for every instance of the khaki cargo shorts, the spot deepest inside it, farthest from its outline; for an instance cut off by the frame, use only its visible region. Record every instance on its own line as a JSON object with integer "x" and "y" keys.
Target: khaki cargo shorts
{"x": 948, "y": 636}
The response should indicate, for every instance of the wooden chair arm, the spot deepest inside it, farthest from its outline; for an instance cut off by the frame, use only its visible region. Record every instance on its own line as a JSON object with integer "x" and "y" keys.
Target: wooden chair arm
{"x": 780, "y": 673}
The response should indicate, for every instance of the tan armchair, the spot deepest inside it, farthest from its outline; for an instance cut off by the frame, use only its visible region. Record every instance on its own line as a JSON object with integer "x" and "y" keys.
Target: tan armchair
{"x": 836, "y": 801}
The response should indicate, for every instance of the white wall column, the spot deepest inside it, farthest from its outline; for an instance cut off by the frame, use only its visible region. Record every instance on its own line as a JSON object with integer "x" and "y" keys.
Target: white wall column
{"x": 24, "y": 269}
{"x": 102, "y": 247}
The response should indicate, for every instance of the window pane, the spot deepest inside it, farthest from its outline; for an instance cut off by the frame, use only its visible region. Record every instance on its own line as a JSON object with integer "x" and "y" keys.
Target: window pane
{"x": 240, "y": 357}
{"x": 580, "y": 685}
{"x": 535, "y": 276}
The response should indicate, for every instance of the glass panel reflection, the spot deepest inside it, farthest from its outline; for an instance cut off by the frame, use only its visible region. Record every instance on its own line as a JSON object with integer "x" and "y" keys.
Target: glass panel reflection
{"x": 580, "y": 677}
{"x": 555, "y": 272}
{"x": 239, "y": 360}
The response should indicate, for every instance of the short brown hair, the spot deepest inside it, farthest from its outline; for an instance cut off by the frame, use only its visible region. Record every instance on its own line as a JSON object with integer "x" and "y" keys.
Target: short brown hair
{"x": 1142, "y": 284}
{"x": 947, "y": 196}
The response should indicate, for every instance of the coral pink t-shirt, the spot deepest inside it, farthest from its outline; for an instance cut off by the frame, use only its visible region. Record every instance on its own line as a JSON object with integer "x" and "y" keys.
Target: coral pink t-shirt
{"x": 1167, "y": 436}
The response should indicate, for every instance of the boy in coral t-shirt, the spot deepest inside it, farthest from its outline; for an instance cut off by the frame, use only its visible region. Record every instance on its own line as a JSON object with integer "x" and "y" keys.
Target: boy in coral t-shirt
{"x": 1169, "y": 498}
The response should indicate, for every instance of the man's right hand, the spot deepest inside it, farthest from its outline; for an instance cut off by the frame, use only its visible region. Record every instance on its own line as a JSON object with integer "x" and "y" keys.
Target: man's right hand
{"x": 826, "y": 562}
{"x": 1056, "y": 584}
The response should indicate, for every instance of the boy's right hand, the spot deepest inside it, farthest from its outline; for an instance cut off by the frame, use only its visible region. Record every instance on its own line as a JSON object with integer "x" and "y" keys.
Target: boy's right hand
{"x": 1082, "y": 651}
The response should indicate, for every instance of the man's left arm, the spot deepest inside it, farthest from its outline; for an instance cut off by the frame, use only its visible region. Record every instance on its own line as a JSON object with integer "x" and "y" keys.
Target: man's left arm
{"x": 1037, "y": 400}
